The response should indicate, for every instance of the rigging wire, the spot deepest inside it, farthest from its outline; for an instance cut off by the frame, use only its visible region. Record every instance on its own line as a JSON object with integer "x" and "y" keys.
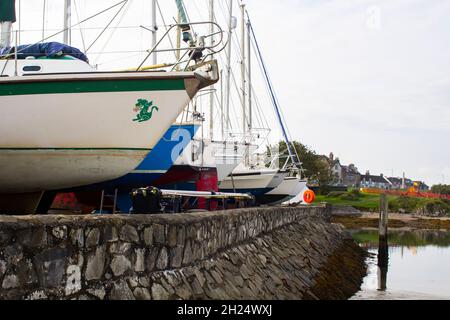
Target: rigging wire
{"x": 104, "y": 29}
{"x": 274, "y": 98}
{"x": 81, "y": 29}
{"x": 234, "y": 121}
{"x": 61, "y": 31}
{"x": 166, "y": 27}
{"x": 43, "y": 19}
{"x": 113, "y": 30}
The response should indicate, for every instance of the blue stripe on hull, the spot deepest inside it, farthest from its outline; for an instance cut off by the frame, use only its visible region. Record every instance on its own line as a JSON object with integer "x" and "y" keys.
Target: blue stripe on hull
{"x": 160, "y": 159}
{"x": 169, "y": 148}
{"x": 135, "y": 180}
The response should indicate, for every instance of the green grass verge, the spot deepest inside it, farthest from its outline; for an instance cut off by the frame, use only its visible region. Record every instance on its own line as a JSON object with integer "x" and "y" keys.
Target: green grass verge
{"x": 371, "y": 202}
{"x": 365, "y": 202}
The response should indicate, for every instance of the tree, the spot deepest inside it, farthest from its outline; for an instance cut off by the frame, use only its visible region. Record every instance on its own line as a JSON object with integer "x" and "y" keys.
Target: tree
{"x": 441, "y": 188}
{"x": 315, "y": 167}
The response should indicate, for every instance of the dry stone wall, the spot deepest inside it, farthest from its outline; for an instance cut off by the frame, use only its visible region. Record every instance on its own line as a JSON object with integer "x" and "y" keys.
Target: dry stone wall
{"x": 258, "y": 253}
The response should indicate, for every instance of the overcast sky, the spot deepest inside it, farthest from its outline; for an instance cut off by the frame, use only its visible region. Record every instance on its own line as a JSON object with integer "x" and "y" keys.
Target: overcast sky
{"x": 368, "y": 80}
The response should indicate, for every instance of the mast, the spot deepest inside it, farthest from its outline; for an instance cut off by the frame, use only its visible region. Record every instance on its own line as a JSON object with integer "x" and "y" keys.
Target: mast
{"x": 178, "y": 52}
{"x": 67, "y": 18}
{"x": 244, "y": 125}
{"x": 43, "y": 20}
{"x": 243, "y": 79}
{"x": 7, "y": 18}
{"x": 154, "y": 29}
{"x": 19, "y": 22}
{"x": 221, "y": 104}
{"x": 211, "y": 95}
{"x": 249, "y": 77}
{"x": 293, "y": 156}
{"x": 228, "y": 68}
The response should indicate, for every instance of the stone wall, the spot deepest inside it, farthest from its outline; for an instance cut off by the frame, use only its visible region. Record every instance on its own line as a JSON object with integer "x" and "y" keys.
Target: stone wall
{"x": 258, "y": 253}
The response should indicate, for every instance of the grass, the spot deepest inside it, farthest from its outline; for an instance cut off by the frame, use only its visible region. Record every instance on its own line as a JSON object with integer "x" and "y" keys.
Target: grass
{"x": 365, "y": 202}
{"x": 370, "y": 202}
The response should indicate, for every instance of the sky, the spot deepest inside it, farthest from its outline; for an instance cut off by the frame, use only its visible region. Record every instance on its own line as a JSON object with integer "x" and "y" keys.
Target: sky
{"x": 368, "y": 80}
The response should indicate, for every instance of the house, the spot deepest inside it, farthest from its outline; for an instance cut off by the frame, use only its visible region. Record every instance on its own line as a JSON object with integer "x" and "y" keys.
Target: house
{"x": 343, "y": 175}
{"x": 405, "y": 183}
{"x": 371, "y": 181}
{"x": 350, "y": 176}
{"x": 396, "y": 183}
{"x": 336, "y": 170}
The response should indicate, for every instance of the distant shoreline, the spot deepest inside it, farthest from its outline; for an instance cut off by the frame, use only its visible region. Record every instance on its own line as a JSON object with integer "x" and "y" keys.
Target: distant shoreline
{"x": 396, "y": 220}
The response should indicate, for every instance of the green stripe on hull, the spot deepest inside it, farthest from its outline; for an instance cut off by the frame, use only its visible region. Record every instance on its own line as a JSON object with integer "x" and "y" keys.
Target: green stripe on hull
{"x": 77, "y": 86}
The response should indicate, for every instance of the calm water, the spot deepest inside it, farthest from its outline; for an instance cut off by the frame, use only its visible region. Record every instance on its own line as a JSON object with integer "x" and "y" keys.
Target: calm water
{"x": 418, "y": 265}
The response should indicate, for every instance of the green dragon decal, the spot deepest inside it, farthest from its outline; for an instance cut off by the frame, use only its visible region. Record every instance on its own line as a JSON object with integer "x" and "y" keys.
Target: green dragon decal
{"x": 142, "y": 106}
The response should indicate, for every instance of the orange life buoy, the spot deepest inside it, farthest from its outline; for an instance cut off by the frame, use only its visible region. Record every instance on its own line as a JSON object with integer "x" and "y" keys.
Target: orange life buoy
{"x": 309, "y": 196}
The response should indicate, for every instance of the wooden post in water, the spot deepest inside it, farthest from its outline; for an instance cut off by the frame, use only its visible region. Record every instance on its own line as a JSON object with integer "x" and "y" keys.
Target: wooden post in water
{"x": 383, "y": 224}
{"x": 383, "y": 254}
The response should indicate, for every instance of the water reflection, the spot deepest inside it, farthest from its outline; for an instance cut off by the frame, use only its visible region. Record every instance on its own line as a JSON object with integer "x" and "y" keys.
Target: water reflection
{"x": 382, "y": 262}
{"x": 369, "y": 238}
{"x": 417, "y": 262}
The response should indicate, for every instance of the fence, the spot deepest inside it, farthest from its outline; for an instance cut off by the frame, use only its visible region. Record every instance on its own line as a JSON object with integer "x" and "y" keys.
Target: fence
{"x": 408, "y": 193}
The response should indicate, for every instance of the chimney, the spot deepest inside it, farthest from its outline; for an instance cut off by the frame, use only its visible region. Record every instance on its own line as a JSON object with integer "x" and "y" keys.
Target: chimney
{"x": 7, "y": 18}
{"x": 367, "y": 173}
{"x": 331, "y": 156}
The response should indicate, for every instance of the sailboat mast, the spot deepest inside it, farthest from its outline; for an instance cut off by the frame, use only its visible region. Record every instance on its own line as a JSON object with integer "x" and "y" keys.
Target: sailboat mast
{"x": 244, "y": 125}
{"x": 178, "y": 52}
{"x": 211, "y": 95}
{"x": 19, "y": 22}
{"x": 221, "y": 104}
{"x": 243, "y": 79}
{"x": 228, "y": 68}
{"x": 67, "y": 18}
{"x": 249, "y": 78}
{"x": 154, "y": 29}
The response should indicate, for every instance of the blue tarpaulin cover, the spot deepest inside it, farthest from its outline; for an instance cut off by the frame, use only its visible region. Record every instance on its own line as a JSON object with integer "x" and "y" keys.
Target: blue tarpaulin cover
{"x": 47, "y": 49}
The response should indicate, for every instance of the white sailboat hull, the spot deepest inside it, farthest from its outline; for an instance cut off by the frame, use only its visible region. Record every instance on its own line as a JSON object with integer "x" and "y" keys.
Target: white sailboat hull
{"x": 252, "y": 181}
{"x": 286, "y": 187}
{"x": 54, "y": 140}
{"x": 289, "y": 188}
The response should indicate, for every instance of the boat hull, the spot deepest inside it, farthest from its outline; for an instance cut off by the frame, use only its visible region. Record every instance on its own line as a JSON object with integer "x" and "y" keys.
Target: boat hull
{"x": 57, "y": 133}
{"x": 287, "y": 190}
{"x": 155, "y": 164}
{"x": 186, "y": 177}
{"x": 255, "y": 182}
{"x": 38, "y": 170}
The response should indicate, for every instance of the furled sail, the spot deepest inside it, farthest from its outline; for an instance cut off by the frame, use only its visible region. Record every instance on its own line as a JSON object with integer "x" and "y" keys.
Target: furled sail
{"x": 47, "y": 49}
